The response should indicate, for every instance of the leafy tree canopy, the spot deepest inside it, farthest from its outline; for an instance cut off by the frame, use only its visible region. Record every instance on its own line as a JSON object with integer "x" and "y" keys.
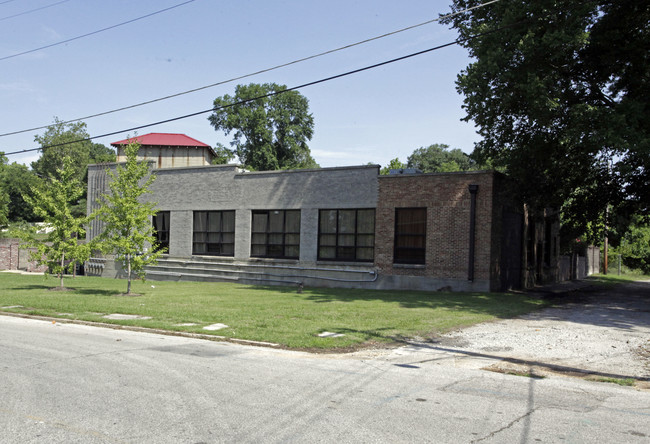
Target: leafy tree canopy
{"x": 394, "y": 164}
{"x": 438, "y": 158}
{"x": 16, "y": 181}
{"x": 51, "y": 160}
{"x": 53, "y": 204}
{"x": 269, "y": 133}
{"x": 82, "y": 152}
{"x": 559, "y": 92}
{"x": 128, "y": 231}
{"x": 4, "y": 197}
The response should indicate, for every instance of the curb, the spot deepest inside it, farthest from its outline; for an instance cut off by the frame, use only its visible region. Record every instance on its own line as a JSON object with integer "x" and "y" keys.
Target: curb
{"x": 157, "y": 331}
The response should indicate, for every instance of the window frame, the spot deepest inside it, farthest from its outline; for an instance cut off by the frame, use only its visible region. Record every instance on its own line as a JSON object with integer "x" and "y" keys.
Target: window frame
{"x": 268, "y": 246}
{"x": 220, "y": 242}
{"x": 401, "y": 253}
{"x": 339, "y": 248}
{"x": 159, "y": 245}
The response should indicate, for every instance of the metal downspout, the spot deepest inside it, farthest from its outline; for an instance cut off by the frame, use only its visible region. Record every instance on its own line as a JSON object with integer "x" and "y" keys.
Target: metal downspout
{"x": 473, "y": 191}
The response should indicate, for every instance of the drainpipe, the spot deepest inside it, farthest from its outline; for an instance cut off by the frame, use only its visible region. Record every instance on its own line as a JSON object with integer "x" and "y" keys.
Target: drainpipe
{"x": 473, "y": 190}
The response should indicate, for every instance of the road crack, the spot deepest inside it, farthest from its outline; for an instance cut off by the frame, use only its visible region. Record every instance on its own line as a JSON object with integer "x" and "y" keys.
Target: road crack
{"x": 506, "y": 427}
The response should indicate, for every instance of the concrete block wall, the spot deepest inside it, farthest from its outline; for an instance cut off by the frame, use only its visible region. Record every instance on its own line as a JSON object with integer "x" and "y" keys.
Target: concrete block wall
{"x": 181, "y": 191}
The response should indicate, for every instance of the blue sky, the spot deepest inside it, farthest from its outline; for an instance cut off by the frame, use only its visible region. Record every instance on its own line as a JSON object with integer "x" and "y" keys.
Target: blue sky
{"x": 373, "y": 116}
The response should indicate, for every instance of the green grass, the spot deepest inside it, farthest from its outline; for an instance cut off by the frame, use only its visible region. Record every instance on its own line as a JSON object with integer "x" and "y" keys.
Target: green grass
{"x": 614, "y": 279}
{"x": 627, "y": 382}
{"x": 273, "y": 314}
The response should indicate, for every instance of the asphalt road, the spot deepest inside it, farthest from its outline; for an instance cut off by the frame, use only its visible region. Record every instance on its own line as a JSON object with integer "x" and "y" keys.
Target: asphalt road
{"x": 79, "y": 384}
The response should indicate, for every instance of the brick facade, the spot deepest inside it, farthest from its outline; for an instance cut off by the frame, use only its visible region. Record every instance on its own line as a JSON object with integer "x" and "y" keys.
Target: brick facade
{"x": 447, "y": 200}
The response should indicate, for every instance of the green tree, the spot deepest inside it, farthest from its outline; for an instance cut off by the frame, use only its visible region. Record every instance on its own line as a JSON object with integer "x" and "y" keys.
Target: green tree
{"x": 99, "y": 153}
{"x": 65, "y": 140}
{"x": 271, "y": 127}
{"x": 52, "y": 203}
{"x": 128, "y": 231}
{"x": 71, "y": 140}
{"x": 438, "y": 158}
{"x": 559, "y": 91}
{"x": 635, "y": 247}
{"x": 394, "y": 164}
{"x": 224, "y": 155}
{"x": 4, "y": 197}
{"x": 16, "y": 181}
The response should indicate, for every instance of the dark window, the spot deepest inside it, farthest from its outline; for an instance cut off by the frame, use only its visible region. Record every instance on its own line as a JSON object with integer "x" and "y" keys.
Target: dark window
{"x": 410, "y": 235}
{"x": 161, "y": 230}
{"x": 276, "y": 233}
{"x": 214, "y": 233}
{"x": 346, "y": 235}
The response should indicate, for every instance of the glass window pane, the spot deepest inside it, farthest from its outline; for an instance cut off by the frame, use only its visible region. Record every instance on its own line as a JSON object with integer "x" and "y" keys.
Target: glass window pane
{"x": 292, "y": 239}
{"x": 258, "y": 238}
{"x": 366, "y": 221}
{"x": 347, "y": 221}
{"x": 228, "y": 222}
{"x": 345, "y": 253}
{"x": 199, "y": 237}
{"x": 346, "y": 240}
{"x": 214, "y": 237}
{"x": 366, "y": 254}
{"x": 259, "y": 222}
{"x": 228, "y": 249}
{"x": 198, "y": 248}
{"x": 328, "y": 221}
{"x": 214, "y": 248}
{"x": 199, "y": 220}
{"x": 276, "y": 221}
{"x": 258, "y": 250}
{"x": 214, "y": 221}
{"x": 328, "y": 239}
{"x": 276, "y": 239}
{"x": 292, "y": 251}
{"x": 275, "y": 251}
{"x": 228, "y": 238}
{"x": 327, "y": 253}
{"x": 292, "y": 221}
{"x": 366, "y": 240}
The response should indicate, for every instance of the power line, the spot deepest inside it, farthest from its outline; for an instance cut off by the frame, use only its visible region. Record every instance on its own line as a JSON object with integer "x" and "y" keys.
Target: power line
{"x": 275, "y": 93}
{"x": 284, "y": 65}
{"x": 32, "y": 10}
{"x": 95, "y": 32}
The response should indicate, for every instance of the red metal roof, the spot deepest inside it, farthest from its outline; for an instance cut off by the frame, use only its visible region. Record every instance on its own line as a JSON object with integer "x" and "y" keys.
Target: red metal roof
{"x": 163, "y": 139}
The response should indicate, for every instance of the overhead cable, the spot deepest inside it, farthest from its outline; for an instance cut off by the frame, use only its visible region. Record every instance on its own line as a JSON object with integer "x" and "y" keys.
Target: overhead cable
{"x": 94, "y": 32}
{"x": 275, "y": 93}
{"x": 32, "y": 10}
{"x": 284, "y": 65}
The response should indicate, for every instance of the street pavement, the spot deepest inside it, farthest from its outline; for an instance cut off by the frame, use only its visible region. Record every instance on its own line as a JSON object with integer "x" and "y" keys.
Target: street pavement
{"x": 66, "y": 383}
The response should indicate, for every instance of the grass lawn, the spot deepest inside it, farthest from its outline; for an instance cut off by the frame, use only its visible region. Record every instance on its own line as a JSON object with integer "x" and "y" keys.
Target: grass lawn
{"x": 273, "y": 314}
{"x": 614, "y": 279}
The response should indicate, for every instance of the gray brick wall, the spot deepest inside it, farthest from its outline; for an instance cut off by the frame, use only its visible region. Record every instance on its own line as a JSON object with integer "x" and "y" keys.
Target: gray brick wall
{"x": 225, "y": 187}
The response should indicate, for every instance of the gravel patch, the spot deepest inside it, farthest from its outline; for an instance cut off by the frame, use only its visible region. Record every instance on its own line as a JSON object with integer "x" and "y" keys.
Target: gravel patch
{"x": 608, "y": 333}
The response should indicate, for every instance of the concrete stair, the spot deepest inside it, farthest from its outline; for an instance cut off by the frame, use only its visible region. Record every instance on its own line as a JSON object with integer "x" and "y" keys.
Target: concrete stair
{"x": 261, "y": 272}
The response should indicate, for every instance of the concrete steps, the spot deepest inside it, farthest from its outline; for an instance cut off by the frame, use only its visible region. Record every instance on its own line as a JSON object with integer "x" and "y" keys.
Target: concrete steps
{"x": 261, "y": 272}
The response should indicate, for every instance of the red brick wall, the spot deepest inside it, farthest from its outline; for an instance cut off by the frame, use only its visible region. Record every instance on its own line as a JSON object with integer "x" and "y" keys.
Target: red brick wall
{"x": 8, "y": 254}
{"x": 12, "y": 257}
{"x": 447, "y": 199}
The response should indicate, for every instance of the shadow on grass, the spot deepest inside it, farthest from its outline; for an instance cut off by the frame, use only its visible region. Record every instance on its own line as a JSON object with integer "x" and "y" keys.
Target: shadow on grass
{"x": 501, "y": 305}
{"x": 69, "y": 290}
